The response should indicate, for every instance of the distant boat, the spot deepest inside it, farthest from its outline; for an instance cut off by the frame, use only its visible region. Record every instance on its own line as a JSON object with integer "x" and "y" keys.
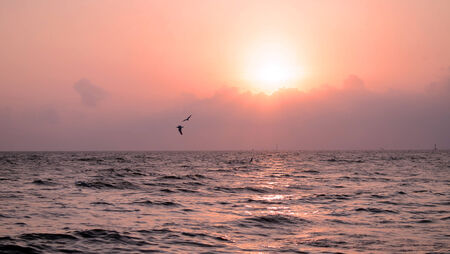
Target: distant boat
{"x": 435, "y": 148}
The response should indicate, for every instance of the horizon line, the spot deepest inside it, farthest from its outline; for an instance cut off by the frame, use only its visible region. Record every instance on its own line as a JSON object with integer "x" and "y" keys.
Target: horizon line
{"x": 239, "y": 150}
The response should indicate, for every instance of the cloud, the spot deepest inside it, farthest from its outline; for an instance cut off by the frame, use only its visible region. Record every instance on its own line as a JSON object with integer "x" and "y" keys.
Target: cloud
{"x": 353, "y": 82}
{"x": 90, "y": 94}
{"x": 349, "y": 116}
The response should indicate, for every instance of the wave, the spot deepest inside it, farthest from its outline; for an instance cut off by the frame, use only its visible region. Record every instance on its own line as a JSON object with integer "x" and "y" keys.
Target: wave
{"x": 186, "y": 190}
{"x": 106, "y": 185}
{"x": 264, "y": 201}
{"x": 43, "y": 182}
{"x": 268, "y": 221}
{"x": 167, "y": 190}
{"x": 17, "y": 249}
{"x": 90, "y": 159}
{"x": 34, "y": 157}
{"x": 48, "y": 236}
{"x": 122, "y": 160}
{"x": 196, "y": 244}
{"x": 181, "y": 177}
{"x": 202, "y": 235}
{"x": 326, "y": 198}
{"x": 326, "y": 243}
{"x": 122, "y": 172}
{"x": 240, "y": 189}
{"x": 424, "y": 221}
{"x": 374, "y": 210}
{"x": 157, "y": 203}
{"x": 344, "y": 161}
{"x": 100, "y": 203}
{"x": 109, "y": 235}
{"x": 155, "y": 231}
{"x": 310, "y": 171}
{"x": 180, "y": 234}
{"x": 378, "y": 196}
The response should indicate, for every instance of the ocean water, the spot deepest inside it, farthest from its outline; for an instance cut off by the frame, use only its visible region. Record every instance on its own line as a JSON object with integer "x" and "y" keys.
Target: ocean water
{"x": 225, "y": 202}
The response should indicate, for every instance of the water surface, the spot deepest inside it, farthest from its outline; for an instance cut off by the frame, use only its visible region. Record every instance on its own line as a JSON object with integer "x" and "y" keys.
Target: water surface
{"x": 220, "y": 202}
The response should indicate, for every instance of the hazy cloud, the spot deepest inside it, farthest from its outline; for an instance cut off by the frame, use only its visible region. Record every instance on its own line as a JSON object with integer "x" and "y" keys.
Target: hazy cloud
{"x": 349, "y": 117}
{"x": 353, "y": 82}
{"x": 90, "y": 94}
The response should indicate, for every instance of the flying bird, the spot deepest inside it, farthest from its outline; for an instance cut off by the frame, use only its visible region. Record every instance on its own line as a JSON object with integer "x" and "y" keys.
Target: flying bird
{"x": 187, "y": 119}
{"x": 179, "y": 127}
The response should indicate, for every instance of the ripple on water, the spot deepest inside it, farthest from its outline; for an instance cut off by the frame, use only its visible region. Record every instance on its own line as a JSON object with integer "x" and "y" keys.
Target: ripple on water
{"x": 272, "y": 221}
{"x": 120, "y": 184}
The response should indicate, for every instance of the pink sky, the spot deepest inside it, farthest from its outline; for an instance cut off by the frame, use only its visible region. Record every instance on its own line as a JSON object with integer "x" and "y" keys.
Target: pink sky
{"x": 120, "y": 75}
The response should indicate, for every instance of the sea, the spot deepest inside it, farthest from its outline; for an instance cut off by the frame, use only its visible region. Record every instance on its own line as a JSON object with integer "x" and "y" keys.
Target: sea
{"x": 225, "y": 202}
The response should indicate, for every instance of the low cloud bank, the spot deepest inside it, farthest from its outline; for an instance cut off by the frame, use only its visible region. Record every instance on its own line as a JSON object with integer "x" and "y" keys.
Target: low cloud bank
{"x": 348, "y": 117}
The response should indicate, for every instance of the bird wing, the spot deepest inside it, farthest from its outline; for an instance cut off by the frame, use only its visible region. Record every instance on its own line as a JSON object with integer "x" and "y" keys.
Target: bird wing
{"x": 187, "y": 118}
{"x": 179, "y": 130}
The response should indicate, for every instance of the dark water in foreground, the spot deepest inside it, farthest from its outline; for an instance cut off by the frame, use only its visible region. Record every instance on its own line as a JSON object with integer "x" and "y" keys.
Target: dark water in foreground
{"x": 218, "y": 202}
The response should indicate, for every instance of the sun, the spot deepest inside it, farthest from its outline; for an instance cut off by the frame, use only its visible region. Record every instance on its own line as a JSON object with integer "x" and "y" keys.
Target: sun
{"x": 271, "y": 67}
{"x": 270, "y": 75}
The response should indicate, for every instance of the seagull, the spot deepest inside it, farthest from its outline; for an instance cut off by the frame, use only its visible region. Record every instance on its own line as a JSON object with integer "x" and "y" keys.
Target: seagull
{"x": 187, "y": 119}
{"x": 179, "y": 129}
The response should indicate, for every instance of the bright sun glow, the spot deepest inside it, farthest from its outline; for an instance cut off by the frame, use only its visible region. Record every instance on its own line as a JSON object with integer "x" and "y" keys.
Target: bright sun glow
{"x": 272, "y": 67}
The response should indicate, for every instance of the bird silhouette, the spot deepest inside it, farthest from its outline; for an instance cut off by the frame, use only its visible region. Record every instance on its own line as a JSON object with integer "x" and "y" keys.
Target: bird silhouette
{"x": 179, "y": 127}
{"x": 187, "y": 118}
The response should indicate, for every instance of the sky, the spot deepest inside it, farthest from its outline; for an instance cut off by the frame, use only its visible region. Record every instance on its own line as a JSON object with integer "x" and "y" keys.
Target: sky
{"x": 308, "y": 75}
